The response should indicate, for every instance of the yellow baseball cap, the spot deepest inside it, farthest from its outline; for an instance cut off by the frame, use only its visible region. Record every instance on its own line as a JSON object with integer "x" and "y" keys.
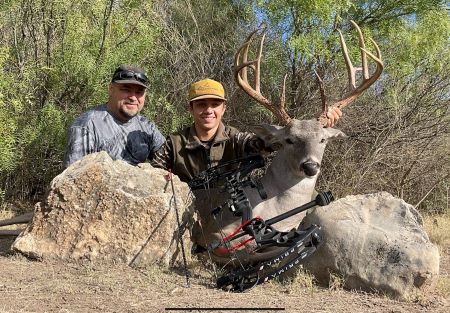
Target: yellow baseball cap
{"x": 206, "y": 89}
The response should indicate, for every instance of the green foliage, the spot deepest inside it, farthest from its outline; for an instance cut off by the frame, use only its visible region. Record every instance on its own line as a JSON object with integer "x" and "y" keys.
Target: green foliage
{"x": 56, "y": 61}
{"x": 197, "y": 41}
{"x": 11, "y": 110}
{"x": 307, "y": 23}
{"x": 402, "y": 121}
{"x": 7, "y": 129}
{"x": 57, "y": 56}
{"x": 427, "y": 42}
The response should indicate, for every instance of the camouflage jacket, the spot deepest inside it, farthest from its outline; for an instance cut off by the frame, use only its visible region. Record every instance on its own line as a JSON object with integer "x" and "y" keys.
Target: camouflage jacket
{"x": 187, "y": 156}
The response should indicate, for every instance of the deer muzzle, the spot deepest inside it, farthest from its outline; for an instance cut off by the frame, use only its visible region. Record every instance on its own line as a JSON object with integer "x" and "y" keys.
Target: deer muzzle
{"x": 310, "y": 168}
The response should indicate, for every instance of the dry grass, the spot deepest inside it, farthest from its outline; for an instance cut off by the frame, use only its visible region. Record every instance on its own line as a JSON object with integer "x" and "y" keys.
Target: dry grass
{"x": 5, "y": 214}
{"x": 302, "y": 281}
{"x": 104, "y": 281}
{"x": 296, "y": 282}
{"x": 437, "y": 227}
{"x": 336, "y": 281}
{"x": 10, "y": 210}
{"x": 443, "y": 286}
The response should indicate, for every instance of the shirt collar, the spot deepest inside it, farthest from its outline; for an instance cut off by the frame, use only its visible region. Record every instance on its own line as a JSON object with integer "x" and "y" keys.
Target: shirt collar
{"x": 193, "y": 142}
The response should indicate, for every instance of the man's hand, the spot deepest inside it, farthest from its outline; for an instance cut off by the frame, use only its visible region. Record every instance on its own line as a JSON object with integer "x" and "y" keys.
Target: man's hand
{"x": 333, "y": 115}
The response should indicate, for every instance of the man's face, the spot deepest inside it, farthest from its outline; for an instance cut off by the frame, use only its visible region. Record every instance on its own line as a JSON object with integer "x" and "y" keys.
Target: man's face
{"x": 125, "y": 100}
{"x": 207, "y": 113}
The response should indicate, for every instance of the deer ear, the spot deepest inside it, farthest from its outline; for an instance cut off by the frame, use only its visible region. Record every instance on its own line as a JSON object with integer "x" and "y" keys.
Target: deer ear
{"x": 270, "y": 134}
{"x": 334, "y": 133}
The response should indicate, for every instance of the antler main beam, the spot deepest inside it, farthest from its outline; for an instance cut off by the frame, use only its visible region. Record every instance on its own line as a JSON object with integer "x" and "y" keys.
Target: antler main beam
{"x": 241, "y": 64}
{"x": 367, "y": 80}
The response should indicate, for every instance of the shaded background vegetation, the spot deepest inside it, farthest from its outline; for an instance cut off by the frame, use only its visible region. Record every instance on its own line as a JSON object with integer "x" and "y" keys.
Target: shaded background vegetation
{"x": 57, "y": 56}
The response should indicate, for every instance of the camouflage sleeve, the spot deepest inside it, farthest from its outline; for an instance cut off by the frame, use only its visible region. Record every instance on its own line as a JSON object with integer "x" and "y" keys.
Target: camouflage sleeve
{"x": 80, "y": 142}
{"x": 163, "y": 158}
{"x": 157, "y": 142}
{"x": 249, "y": 143}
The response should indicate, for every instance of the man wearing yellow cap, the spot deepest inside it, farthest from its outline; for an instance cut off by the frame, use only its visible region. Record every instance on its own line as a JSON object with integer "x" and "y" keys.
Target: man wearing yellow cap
{"x": 208, "y": 142}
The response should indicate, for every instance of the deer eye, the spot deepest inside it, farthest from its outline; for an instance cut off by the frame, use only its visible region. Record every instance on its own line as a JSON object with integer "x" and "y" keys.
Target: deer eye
{"x": 289, "y": 141}
{"x": 322, "y": 140}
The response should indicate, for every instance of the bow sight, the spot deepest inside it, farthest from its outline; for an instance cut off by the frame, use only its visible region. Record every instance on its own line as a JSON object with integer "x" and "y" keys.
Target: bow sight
{"x": 294, "y": 246}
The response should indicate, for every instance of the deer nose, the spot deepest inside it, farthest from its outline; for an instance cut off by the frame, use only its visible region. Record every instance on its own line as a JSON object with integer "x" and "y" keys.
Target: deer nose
{"x": 311, "y": 168}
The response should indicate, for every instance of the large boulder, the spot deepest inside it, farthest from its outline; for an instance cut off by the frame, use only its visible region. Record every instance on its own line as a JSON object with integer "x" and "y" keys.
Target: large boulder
{"x": 374, "y": 242}
{"x": 104, "y": 210}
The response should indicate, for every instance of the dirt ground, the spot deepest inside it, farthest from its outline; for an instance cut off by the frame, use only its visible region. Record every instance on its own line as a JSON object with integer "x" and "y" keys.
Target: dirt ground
{"x": 44, "y": 286}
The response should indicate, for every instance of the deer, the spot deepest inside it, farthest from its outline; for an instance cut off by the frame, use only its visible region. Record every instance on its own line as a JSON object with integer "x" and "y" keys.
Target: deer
{"x": 290, "y": 179}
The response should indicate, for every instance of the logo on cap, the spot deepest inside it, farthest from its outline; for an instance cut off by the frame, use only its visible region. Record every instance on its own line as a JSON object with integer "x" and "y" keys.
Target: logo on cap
{"x": 206, "y": 88}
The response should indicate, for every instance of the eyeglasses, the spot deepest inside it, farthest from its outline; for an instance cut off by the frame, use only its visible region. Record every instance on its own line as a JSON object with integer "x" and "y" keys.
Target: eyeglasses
{"x": 125, "y": 75}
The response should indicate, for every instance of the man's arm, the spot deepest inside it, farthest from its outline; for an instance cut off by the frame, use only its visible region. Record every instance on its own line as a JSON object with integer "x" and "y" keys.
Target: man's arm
{"x": 157, "y": 142}
{"x": 163, "y": 158}
{"x": 80, "y": 142}
{"x": 249, "y": 143}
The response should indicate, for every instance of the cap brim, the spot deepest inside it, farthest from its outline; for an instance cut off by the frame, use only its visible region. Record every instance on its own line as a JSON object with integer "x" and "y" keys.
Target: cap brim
{"x": 208, "y": 97}
{"x": 130, "y": 81}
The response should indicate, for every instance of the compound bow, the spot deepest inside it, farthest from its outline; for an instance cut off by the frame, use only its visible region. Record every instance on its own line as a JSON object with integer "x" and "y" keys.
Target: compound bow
{"x": 296, "y": 245}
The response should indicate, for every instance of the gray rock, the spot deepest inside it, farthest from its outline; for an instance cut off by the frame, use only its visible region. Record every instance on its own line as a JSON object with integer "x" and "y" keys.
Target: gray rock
{"x": 374, "y": 242}
{"x": 104, "y": 210}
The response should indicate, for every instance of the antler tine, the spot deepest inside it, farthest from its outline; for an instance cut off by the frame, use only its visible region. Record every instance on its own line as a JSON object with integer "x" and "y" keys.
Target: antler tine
{"x": 258, "y": 65}
{"x": 283, "y": 94}
{"x": 367, "y": 79}
{"x": 245, "y": 46}
{"x": 362, "y": 45}
{"x": 240, "y": 74}
{"x": 322, "y": 92}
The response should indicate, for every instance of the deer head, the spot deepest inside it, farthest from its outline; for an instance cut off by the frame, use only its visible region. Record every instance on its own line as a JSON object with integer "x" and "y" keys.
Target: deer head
{"x": 241, "y": 64}
{"x": 304, "y": 139}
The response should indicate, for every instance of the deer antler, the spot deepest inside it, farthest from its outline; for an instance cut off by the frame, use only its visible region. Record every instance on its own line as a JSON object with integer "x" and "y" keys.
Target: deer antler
{"x": 240, "y": 74}
{"x": 367, "y": 81}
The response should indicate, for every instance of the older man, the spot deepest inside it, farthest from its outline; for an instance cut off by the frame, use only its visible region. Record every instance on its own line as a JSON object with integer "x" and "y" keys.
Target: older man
{"x": 116, "y": 127}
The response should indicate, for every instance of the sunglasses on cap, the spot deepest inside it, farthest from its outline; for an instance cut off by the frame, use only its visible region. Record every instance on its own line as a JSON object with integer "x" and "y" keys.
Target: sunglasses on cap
{"x": 129, "y": 75}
